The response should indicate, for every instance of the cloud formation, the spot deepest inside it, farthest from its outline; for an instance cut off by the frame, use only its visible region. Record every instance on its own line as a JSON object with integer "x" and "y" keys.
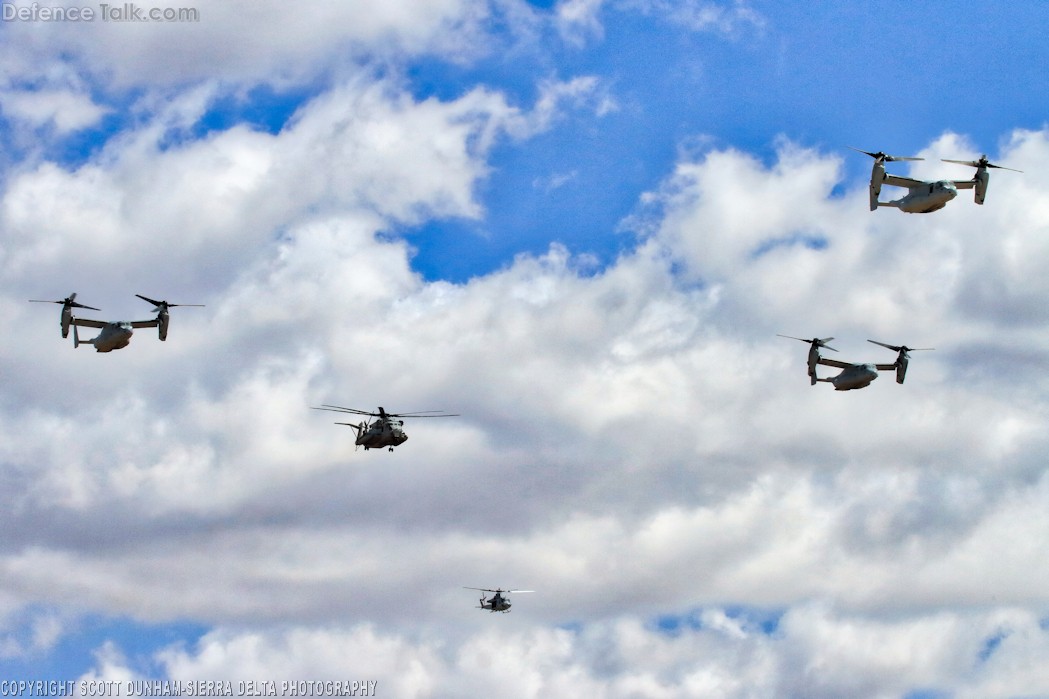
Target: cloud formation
{"x": 635, "y": 443}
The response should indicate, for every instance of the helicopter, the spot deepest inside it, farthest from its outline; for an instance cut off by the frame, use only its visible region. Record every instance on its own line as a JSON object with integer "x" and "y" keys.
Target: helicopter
{"x": 387, "y": 431}
{"x": 498, "y": 602}
{"x": 855, "y": 375}
{"x": 115, "y": 334}
{"x": 925, "y": 197}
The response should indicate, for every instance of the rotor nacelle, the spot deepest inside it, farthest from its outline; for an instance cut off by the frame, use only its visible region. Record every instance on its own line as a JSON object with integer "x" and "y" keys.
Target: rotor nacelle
{"x": 68, "y": 304}
{"x": 878, "y": 172}
{"x": 982, "y": 178}
{"x": 163, "y": 317}
{"x": 903, "y": 357}
{"x": 814, "y": 352}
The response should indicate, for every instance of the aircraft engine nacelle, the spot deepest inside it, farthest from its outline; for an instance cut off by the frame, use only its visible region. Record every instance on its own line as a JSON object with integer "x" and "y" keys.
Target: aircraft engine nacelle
{"x": 162, "y": 326}
{"x": 877, "y": 177}
{"x": 67, "y": 318}
{"x": 901, "y": 367}
{"x": 980, "y": 189}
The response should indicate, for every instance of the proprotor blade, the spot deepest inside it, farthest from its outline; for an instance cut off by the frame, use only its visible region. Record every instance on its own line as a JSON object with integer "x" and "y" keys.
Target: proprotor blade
{"x": 68, "y": 301}
{"x": 165, "y": 304}
{"x": 902, "y": 348}
{"x": 885, "y": 158}
{"x": 982, "y": 162}
{"x": 817, "y": 341}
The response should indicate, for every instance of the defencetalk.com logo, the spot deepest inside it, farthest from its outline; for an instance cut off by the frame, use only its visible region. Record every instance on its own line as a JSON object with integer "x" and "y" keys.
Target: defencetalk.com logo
{"x": 105, "y": 12}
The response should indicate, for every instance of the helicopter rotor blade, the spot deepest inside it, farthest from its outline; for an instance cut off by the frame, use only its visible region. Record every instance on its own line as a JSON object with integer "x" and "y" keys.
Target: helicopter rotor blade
{"x": 383, "y": 413}
{"x": 340, "y": 409}
{"x": 498, "y": 589}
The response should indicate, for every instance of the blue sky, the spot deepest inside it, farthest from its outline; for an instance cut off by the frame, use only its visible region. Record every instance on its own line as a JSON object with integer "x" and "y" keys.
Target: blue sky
{"x": 579, "y": 225}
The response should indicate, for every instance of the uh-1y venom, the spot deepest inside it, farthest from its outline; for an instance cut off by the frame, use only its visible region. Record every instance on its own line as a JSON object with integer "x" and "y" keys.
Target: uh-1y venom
{"x": 497, "y": 602}
{"x": 386, "y": 431}
{"x": 115, "y": 334}
{"x": 924, "y": 197}
{"x": 855, "y": 375}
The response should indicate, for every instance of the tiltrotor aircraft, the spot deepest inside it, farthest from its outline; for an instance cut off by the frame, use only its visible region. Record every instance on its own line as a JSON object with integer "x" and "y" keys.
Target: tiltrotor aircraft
{"x": 115, "y": 334}
{"x": 924, "y": 197}
{"x": 387, "y": 431}
{"x": 497, "y": 602}
{"x": 855, "y": 375}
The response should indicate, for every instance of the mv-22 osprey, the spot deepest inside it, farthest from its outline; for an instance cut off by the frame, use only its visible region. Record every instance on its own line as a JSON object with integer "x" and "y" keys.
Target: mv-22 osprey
{"x": 855, "y": 375}
{"x": 114, "y": 334}
{"x": 924, "y": 196}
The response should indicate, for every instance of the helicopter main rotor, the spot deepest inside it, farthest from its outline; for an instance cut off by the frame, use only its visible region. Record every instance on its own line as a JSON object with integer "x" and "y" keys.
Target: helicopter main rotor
{"x": 382, "y": 412}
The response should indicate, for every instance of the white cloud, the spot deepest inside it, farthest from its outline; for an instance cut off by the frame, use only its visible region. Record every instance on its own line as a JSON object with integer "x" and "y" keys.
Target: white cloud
{"x": 65, "y": 111}
{"x": 815, "y": 651}
{"x": 275, "y": 42}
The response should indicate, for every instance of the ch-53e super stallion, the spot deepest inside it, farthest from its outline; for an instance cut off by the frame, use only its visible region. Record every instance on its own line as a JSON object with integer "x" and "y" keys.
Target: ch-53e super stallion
{"x": 926, "y": 196}
{"x": 387, "y": 431}
{"x": 855, "y": 375}
{"x": 114, "y": 334}
{"x": 497, "y": 602}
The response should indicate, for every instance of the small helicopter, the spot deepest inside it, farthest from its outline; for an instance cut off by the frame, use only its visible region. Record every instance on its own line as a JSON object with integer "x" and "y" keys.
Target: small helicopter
{"x": 855, "y": 375}
{"x": 387, "y": 431}
{"x": 115, "y": 334}
{"x": 498, "y": 602}
{"x": 924, "y": 197}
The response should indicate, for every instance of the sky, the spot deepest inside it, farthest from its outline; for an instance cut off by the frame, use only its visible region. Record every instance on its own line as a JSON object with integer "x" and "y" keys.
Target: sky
{"x": 580, "y": 226}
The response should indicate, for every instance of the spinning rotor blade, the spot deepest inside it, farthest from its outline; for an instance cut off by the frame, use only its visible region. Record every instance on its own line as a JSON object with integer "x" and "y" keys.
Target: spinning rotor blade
{"x": 982, "y": 162}
{"x": 902, "y": 348}
{"x": 883, "y": 157}
{"x": 69, "y": 301}
{"x": 488, "y": 589}
{"x": 382, "y": 413}
{"x": 340, "y": 409}
{"x": 818, "y": 342}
